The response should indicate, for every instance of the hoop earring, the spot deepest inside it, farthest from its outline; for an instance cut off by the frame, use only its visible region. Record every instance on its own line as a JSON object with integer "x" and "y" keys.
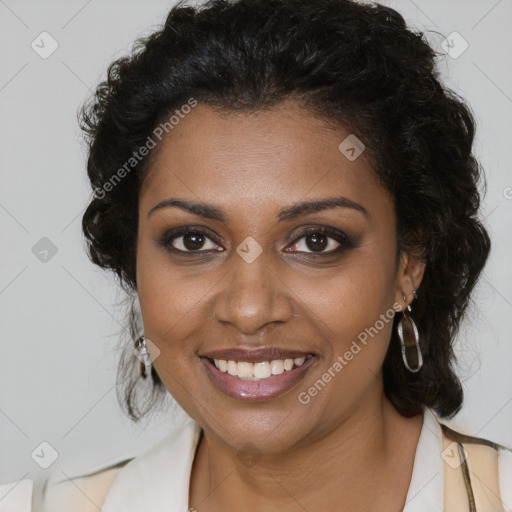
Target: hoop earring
{"x": 142, "y": 354}
{"x": 410, "y": 341}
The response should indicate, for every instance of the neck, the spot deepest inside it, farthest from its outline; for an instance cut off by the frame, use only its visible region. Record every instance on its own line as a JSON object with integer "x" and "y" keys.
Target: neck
{"x": 369, "y": 454}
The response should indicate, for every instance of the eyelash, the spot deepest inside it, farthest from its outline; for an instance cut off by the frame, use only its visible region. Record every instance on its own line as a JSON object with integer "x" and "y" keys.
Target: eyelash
{"x": 345, "y": 242}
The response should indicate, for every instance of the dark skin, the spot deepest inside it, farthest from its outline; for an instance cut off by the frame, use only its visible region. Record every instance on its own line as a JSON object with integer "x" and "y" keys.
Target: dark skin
{"x": 348, "y": 448}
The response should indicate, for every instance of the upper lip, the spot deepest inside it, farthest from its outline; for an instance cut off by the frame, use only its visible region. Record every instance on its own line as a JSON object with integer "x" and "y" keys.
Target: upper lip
{"x": 254, "y": 355}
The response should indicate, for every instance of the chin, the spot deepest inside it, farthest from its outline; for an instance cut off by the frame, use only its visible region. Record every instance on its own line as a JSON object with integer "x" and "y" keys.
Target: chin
{"x": 263, "y": 429}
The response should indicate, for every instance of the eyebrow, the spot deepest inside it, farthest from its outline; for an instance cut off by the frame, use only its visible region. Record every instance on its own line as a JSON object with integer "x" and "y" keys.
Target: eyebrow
{"x": 289, "y": 213}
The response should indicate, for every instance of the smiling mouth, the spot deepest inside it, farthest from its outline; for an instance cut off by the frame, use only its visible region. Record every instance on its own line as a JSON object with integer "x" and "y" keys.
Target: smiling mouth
{"x": 259, "y": 370}
{"x": 259, "y": 379}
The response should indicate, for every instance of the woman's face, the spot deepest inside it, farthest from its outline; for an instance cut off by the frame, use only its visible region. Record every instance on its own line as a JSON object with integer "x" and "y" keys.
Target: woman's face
{"x": 249, "y": 286}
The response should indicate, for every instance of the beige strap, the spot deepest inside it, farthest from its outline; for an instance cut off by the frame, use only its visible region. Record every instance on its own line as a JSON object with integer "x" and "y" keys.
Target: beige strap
{"x": 471, "y": 474}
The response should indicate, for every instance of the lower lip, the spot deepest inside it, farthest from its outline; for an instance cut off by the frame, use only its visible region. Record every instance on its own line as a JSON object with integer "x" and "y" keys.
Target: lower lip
{"x": 263, "y": 389}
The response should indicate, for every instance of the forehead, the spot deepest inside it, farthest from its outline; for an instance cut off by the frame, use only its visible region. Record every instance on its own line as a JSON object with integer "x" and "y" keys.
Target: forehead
{"x": 272, "y": 157}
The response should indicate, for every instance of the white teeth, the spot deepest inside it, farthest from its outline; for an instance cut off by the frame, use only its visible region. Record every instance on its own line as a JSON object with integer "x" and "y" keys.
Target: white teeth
{"x": 245, "y": 370}
{"x": 260, "y": 370}
{"x": 232, "y": 368}
{"x": 277, "y": 366}
{"x": 288, "y": 364}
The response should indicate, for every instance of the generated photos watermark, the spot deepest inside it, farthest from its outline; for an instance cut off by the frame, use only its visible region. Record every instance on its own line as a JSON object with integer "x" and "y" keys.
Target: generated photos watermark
{"x": 137, "y": 156}
{"x": 304, "y": 397}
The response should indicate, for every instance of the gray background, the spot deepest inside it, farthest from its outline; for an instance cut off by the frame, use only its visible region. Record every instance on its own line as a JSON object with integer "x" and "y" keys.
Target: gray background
{"x": 59, "y": 319}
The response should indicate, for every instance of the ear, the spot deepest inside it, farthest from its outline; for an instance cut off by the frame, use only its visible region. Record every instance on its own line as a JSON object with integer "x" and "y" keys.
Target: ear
{"x": 409, "y": 276}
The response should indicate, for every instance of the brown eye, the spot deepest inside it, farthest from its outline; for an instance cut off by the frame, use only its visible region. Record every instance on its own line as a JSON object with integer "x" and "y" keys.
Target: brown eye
{"x": 187, "y": 240}
{"x": 192, "y": 241}
{"x": 316, "y": 240}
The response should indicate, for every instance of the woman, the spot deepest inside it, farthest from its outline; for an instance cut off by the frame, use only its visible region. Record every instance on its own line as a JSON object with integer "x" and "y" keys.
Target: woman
{"x": 291, "y": 194}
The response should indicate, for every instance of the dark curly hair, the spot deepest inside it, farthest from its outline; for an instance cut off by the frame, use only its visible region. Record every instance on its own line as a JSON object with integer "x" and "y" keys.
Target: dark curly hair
{"x": 354, "y": 65}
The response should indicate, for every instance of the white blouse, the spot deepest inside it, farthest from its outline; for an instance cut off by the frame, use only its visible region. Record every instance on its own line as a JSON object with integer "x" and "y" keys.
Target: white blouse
{"x": 158, "y": 479}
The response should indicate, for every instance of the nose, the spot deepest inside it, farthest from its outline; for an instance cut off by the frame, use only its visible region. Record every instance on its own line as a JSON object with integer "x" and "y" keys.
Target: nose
{"x": 252, "y": 296}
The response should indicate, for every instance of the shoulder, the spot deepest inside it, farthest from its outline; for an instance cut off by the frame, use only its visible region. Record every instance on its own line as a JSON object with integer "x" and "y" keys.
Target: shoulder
{"x": 505, "y": 475}
{"x": 17, "y": 495}
{"x": 86, "y": 492}
{"x": 111, "y": 486}
{"x": 482, "y": 466}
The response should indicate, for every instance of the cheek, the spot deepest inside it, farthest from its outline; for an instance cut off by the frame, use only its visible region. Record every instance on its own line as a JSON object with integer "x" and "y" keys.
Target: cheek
{"x": 353, "y": 310}
{"x": 167, "y": 293}
{"x": 356, "y": 294}
{"x": 168, "y": 298}
{"x": 166, "y": 305}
